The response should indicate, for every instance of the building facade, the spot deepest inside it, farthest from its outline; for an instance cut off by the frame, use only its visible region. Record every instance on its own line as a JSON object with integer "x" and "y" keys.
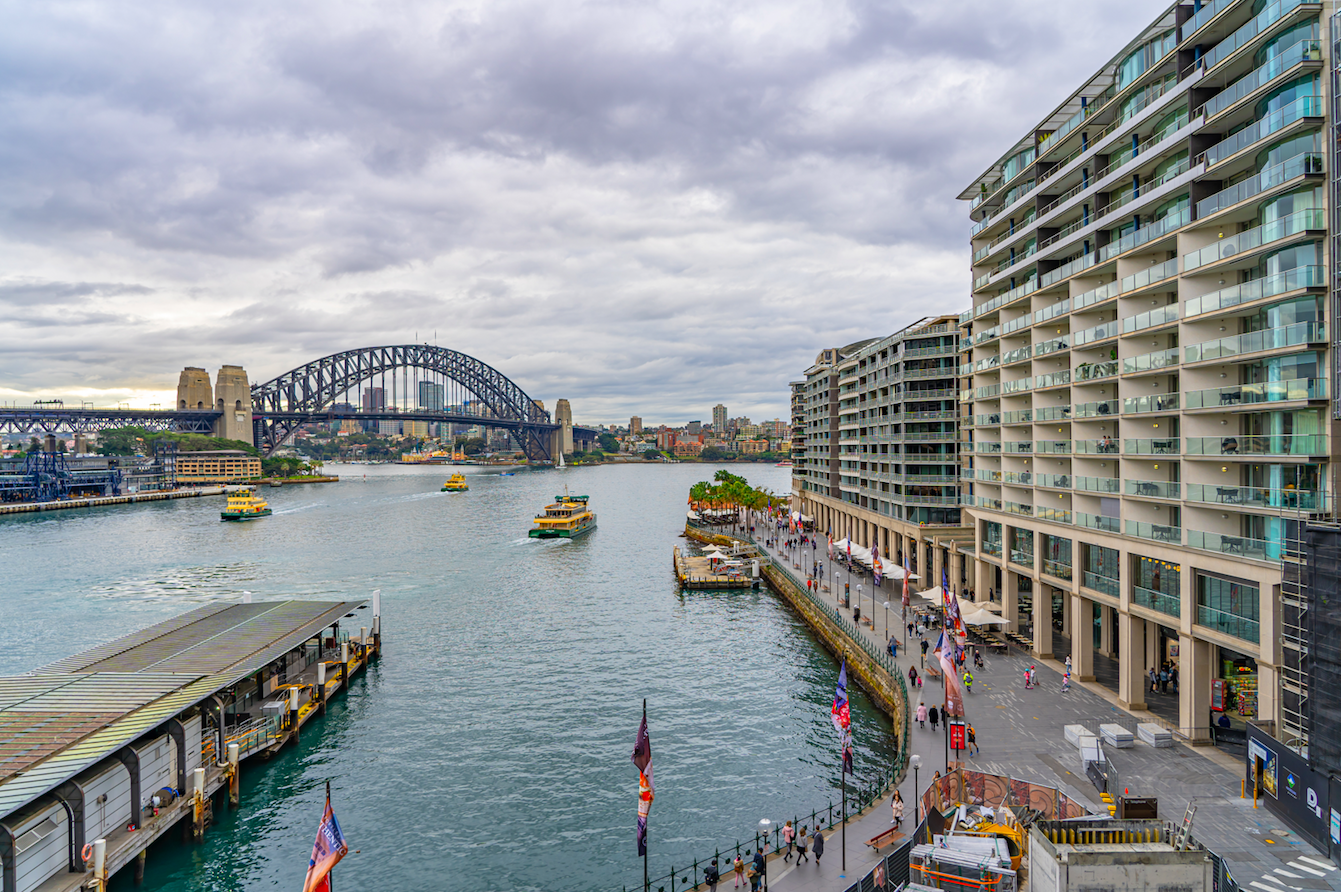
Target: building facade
{"x": 1146, "y": 360}
{"x": 225, "y": 466}
{"x": 880, "y": 458}
{"x": 719, "y": 419}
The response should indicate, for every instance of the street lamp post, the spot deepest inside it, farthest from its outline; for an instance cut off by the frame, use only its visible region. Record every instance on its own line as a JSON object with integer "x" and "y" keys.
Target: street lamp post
{"x": 916, "y": 761}
{"x": 886, "y": 619}
{"x": 764, "y": 824}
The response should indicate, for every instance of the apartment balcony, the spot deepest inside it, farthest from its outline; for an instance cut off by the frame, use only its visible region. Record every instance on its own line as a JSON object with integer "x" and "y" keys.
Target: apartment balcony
{"x": 1096, "y": 522}
{"x": 1311, "y": 222}
{"x": 1100, "y": 446}
{"x": 1016, "y": 416}
{"x": 927, "y": 500}
{"x": 1103, "y": 584}
{"x": 1254, "y": 394}
{"x": 943, "y": 350}
{"x": 1302, "y": 165}
{"x": 1170, "y": 605}
{"x": 1153, "y": 489}
{"x": 1258, "y": 497}
{"x": 1018, "y": 447}
{"x": 1058, "y": 569}
{"x": 1151, "y": 447}
{"x": 1097, "y": 409}
{"x": 1297, "y": 335}
{"x": 1155, "y": 402}
{"x": 1152, "y": 362}
{"x": 1237, "y": 546}
{"x": 1307, "y": 109}
{"x": 1298, "y": 279}
{"x": 1095, "y": 371}
{"x": 1255, "y": 445}
{"x": 1304, "y": 51}
{"x": 1097, "y": 295}
{"x": 1160, "y": 272}
{"x": 1245, "y": 36}
{"x": 1098, "y": 484}
{"x": 1157, "y": 318}
{"x": 1053, "y": 413}
{"x": 1052, "y": 447}
{"x": 1018, "y": 508}
{"x": 1053, "y": 379}
{"x": 1095, "y": 334}
{"x": 1155, "y": 532}
{"x": 1054, "y": 481}
{"x": 1055, "y": 345}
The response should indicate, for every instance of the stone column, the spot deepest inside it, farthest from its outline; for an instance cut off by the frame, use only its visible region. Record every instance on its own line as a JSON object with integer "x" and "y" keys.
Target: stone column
{"x": 1010, "y": 599}
{"x": 982, "y": 578}
{"x": 1131, "y": 677}
{"x": 1268, "y": 687}
{"x": 1106, "y": 630}
{"x": 957, "y": 569}
{"x": 1194, "y": 688}
{"x": 937, "y": 563}
{"x": 1150, "y": 649}
{"x": 1082, "y": 638}
{"x": 1042, "y": 620}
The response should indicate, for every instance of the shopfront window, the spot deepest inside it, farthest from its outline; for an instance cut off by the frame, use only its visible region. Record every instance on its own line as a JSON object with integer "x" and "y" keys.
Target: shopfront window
{"x": 1230, "y": 606}
{"x": 1157, "y": 585}
{"x": 1101, "y": 570}
{"x": 1234, "y": 689}
{"x": 991, "y": 538}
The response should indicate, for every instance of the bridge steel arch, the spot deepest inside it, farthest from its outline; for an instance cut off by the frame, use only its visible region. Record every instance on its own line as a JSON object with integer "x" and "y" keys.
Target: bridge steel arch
{"x": 305, "y": 394}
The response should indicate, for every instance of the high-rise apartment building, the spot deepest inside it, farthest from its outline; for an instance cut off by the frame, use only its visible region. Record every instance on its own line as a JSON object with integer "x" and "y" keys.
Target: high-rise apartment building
{"x": 880, "y": 461}
{"x": 635, "y": 425}
{"x": 432, "y": 396}
{"x": 719, "y": 418}
{"x": 1146, "y": 360}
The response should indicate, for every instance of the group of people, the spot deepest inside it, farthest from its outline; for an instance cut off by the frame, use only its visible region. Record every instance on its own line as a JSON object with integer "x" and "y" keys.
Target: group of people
{"x": 750, "y": 867}
{"x": 1165, "y": 681}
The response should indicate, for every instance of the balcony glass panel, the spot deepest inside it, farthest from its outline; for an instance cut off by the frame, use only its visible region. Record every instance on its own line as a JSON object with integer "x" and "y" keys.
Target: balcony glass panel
{"x": 1229, "y": 623}
{"x": 1068, "y": 269}
{"x": 1056, "y": 344}
{"x": 1098, "y": 295}
{"x": 1053, "y": 413}
{"x": 1157, "y": 273}
{"x": 1151, "y": 447}
{"x": 1289, "y": 498}
{"x": 1259, "y": 23}
{"x": 1096, "y": 522}
{"x": 1097, "y": 333}
{"x": 1095, "y": 409}
{"x": 1053, "y": 379}
{"x": 1248, "y": 444}
{"x": 1098, "y": 484}
{"x": 1018, "y": 447}
{"x": 1158, "y": 489}
{"x": 1154, "y": 531}
{"x": 1306, "y": 163}
{"x": 1095, "y": 371}
{"x": 1255, "y": 342}
{"x": 1100, "y": 446}
{"x": 1304, "y": 51}
{"x": 1060, "y": 308}
{"x": 987, "y": 448}
{"x": 1016, "y": 386}
{"x": 1151, "y": 362}
{"x": 1156, "y": 402}
{"x": 1105, "y": 584}
{"x": 1018, "y": 508}
{"x": 1160, "y": 316}
{"x": 1053, "y": 447}
{"x": 1016, "y": 355}
{"x": 1058, "y": 569}
{"x": 1151, "y": 231}
{"x": 1270, "y": 286}
{"x": 1019, "y": 416}
{"x": 1056, "y": 481}
{"x": 1156, "y": 600}
{"x": 1303, "y": 107}
{"x": 1231, "y": 245}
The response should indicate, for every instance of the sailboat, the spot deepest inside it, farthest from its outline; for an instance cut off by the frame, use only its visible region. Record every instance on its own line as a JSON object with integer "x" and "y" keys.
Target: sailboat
{"x": 561, "y": 464}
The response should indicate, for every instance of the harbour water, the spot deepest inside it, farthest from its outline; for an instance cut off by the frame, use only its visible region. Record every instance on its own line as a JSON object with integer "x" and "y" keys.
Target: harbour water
{"x": 490, "y": 747}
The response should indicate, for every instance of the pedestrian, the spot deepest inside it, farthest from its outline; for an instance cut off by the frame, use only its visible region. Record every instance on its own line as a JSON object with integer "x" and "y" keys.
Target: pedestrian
{"x": 1066, "y": 683}
{"x": 934, "y": 715}
{"x": 788, "y": 837}
{"x": 1068, "y": 664}
{"x": 739, "y": 867}
{"x": 922, "y": 716}
{"x": 712, "y": 876}
{"x": 972, "y": 740}
{"x": 910, "y": 630}
{"x": 1173, "y": 678}
{"x": 801, "y": 840}
{"x": 925, "y": 647}
{"x": 912, "y": 676}
{"x": 1152, "y": 679}
{"x": 896, "y": 804}
{"x": 817, "y": 843}
{"x": 752, "y": 875}
{"x": 1163, "y": 681}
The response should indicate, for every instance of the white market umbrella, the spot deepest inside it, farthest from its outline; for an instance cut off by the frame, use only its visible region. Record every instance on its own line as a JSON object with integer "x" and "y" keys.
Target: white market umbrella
{"x": 984, "y": 618}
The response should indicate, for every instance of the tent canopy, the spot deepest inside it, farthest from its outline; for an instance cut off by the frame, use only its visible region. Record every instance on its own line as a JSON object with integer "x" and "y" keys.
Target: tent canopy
{"x": 983, "y": 618}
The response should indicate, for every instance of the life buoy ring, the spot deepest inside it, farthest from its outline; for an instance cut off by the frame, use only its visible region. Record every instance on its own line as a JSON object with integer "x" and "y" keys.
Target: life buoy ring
{"x": 87, "y": 854}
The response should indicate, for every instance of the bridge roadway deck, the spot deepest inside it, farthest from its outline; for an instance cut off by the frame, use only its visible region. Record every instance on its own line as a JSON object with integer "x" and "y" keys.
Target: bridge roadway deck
{"x": 1020, "y": 735}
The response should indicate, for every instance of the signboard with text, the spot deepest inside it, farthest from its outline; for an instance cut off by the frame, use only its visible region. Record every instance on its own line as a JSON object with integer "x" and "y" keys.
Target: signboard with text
{"x": 957, "y": 736}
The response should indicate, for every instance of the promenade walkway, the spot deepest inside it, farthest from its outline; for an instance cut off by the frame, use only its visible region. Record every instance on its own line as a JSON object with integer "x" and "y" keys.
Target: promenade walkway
{"x": 1020, "y": 735}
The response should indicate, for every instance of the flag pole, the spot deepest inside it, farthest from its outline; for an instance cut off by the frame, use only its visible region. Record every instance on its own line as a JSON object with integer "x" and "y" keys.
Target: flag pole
{"x": 330, "y": 879}
{"x": 842, "y": 764}
{"x": 647, "y": 884}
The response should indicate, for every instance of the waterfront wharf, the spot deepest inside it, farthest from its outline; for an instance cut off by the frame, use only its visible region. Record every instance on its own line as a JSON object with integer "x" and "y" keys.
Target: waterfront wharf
{"x": 106, "y": 751}
{"x": 102, "y": 501}
{"x": 698, "y": 572}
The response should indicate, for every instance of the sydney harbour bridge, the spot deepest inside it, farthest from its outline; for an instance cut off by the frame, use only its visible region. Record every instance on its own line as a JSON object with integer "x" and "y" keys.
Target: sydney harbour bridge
{"x": 405, "y": 383}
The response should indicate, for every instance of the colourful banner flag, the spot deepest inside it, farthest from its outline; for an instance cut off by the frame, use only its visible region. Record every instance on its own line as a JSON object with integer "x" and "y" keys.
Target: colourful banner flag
{"x": 842, "y": 717}
{"x": 876, "y": 569}
{"x": 830, "y": 546}
{"x": 954, "y": 689}
{"x": 329, "y": 848}
{"x": 906, "y": 599}
{"x": 642, "y": 758}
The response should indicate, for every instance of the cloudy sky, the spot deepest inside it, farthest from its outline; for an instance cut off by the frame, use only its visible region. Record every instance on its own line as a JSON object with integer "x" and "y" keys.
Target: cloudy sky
{"x": 643, "y": 207}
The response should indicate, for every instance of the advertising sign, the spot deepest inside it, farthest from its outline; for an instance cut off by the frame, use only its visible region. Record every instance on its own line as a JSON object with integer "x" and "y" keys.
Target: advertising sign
{"x": 957, "y": 736}
{"x": 1218, "y": 695}
{"x": 1293, "y": 791}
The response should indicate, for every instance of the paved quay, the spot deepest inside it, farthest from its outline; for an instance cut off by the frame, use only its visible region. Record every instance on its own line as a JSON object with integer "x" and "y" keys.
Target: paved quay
{"x": 1020, "y": 735}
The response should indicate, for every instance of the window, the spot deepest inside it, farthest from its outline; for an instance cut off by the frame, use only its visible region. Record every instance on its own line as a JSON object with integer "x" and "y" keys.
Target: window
{"x": 1230, "y": 606}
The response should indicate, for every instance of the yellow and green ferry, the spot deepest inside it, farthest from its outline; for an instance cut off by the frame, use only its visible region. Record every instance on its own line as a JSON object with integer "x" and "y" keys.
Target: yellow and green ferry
{"x": 244, "y": 505}
{"x": 568, "y": 518}
{"x": 456, "y": 483}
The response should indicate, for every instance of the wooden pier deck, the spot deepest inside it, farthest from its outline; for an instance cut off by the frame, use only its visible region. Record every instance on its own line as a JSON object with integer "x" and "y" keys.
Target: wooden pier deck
{"x": 696, "y": 572}
{"x": 101, "y": 501}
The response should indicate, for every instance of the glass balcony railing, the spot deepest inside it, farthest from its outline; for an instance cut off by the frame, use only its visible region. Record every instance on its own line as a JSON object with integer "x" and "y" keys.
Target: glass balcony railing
{"x": 1105, "y": 584}
{"x": 1229, "y": 623}
{"x": 1151, "y": 231}
{"x": 1018, "y": 447}
{"x": 1098, "y": 484}
{"x": 1055, "y": 481}
{"x": 1058, "y": 569}
{"x": 1016, "y": 386}
{"x": 1273, "y": 176}
{"x": 1153, "y": 319}
{"x": 989, "y": 546}
{"x": 1052, "y": 447}
{"x": 1156, "y": 402}
{"x": 1098, "y": 409}
{"x": 1207, "y": 12}
{"x": 1151, "y": 447}
{"x": 1018, "y": 508}
{"x": 1061, "y": 308}
{"x": 1053, "y": 346}
{"x": 1269, "y": 286}
{"x": 1052, "y": 379}
{"x": 1303, "y": 107}
{"x": 987, "y": 448}
{"x": 1053, "y": 413}
{"x": 1018, "y": 416}
{"x": 1094, "y": 371}
{"x": 1023, "y": 558}
{"x": 1016, "y": 355}
{"x": 1096, "y": 522}
{"x": 1287, "y": 499}
{"x": 1247, "y": 444}
{"x": 1256, "y": 25}
{"x": 1155, "y": 532}
{"x": 1101, "y": 446}
{"x": 1265, "y": 392}
{"x": 1157, "y": 600}
{"x": 1155, "y": 274}
{"x": 1232, "y": 245}
{"x": 1303, "y": 51}
{"x": 1097, "y": 295}
{"x": 986, "y": 392}
{"x": 1296, "y": 335}
{"x": 1151, "y": 362}
{"x": 1085, "y": 261}
{"x": 1154, "y": 489}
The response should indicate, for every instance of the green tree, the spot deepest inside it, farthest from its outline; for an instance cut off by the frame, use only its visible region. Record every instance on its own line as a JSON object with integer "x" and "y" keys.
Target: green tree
{"x": 609, "y": 443}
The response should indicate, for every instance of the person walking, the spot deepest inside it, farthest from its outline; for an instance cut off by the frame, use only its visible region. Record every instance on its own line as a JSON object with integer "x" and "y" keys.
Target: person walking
{"x": 739, "y": 867}
{"x": 1163, "y": 681}
{"x": 972, "y": 740}
{"x": 1068, "y": 664}
{"x": 712, "y": 876}
{"x": 788, "y": 837}
{"x": 925, "y": 647}
{"x": 817, "y": 843}
{"x": 896, "y": 805}
{"x": 1066, "y": 682}
{"x": 912, "y": 676}
{"x": 934, "y": 715}
{"x": 922, "y": 716}
{"x": 1152, "y": 679}
{"x": 757, "y": 870}
{"x": 801, "y": 841}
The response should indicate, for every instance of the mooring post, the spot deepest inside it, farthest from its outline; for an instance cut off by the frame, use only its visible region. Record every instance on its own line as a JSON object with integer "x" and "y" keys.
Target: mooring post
{"x": 344, "y": 664}
{"x": 100, "y": 864}
{"x": 139, "y": 865}
{"x": 363, "y": 645}
{"x": 198, "y": 795}
{"x": 377, "y": 621}
{"x": 293, "y": 710}
{"x": 321, "y": 687}
{"x": 234, "y": 774}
